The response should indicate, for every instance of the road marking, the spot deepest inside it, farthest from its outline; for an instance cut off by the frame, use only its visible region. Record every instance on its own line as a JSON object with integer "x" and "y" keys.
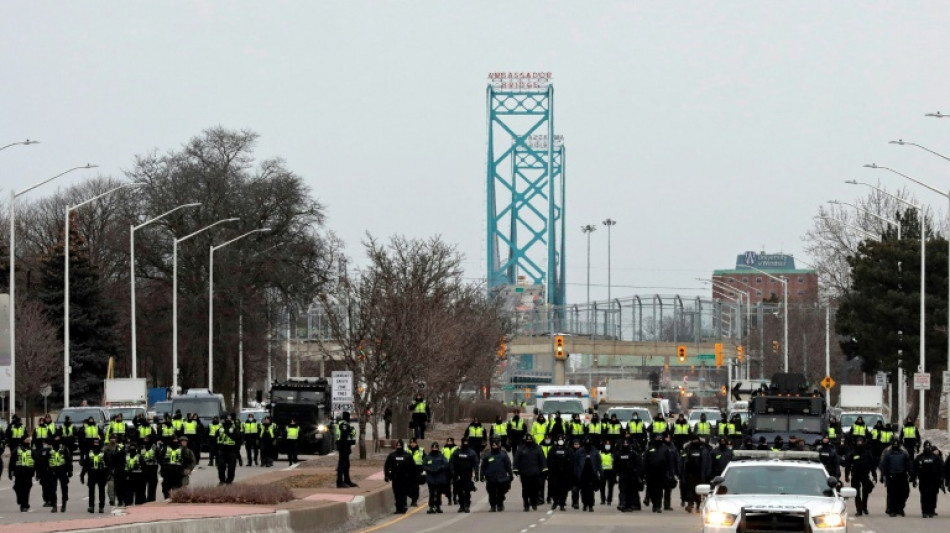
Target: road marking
{"x": 291, "y": 467}
{"x": 393, "y": 521}
{"x": 533, "y": 526}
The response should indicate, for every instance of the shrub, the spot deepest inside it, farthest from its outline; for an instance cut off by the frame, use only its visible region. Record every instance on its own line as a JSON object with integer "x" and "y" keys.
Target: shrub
{"x": 242, "y": 493}
{"x": 485, "y": 410}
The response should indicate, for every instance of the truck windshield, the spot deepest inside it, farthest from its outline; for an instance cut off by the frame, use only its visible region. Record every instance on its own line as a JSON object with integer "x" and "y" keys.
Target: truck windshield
{"x": 771, "y": 424}
{"x": 567, "y": 407}
{"x": 206, "y": 408}
{"x": 626, "y": 415}
{"x": 296, "y": 396}
{"x": 79, "y": 415}
{"x": 870, "y": 419}
{"x": 804, "y": 425}
{"x": 775, "y": 479}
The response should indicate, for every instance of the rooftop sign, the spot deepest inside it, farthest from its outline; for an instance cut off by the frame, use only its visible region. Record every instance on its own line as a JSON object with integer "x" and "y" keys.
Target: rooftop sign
{"x": 513, "y": 81}
{"x": 765, "y": 261}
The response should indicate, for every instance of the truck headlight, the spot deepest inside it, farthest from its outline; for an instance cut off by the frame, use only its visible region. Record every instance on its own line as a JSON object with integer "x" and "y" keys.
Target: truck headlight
{"x": 829, "y": 520}
{"x": 321, "y": 428}
{"x": 719, "y": 518}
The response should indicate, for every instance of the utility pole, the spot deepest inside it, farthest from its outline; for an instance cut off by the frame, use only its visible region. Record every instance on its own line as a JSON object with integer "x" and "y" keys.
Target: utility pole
{"x": 588, "y": 229}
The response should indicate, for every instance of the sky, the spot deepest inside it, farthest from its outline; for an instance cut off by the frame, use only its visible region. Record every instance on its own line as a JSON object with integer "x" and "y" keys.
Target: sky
{"x": 704, "y": 129}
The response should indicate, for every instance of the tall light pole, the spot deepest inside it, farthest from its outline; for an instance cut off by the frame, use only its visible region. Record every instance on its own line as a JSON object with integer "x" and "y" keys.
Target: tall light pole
{"x": 923, "y": 271}
{"x": 213, "y": 249}
{"x": 26, "y": 142}
{"x": 132, "y": 229}
{"x": 609, "y": 223}
{"x": 784, "y": 282}
{"x": 588, "y": 229}
{"x": 175, "y": 296}
{"x": 66, "y": 258}
{"x": 886, "y": 220}
{"x": 13, "y": 197}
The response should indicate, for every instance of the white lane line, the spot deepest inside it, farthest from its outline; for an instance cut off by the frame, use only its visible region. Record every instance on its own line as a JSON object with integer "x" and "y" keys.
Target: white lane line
{"x": 291, "y": 467}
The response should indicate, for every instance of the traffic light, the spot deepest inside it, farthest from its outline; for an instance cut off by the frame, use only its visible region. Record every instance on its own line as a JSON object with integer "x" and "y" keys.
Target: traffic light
{"x": 559, "y": 352}
{"x": 681, "y": 353}
{"x": 503, "y": 348}
{"x": 775, "y": 346}
{"x": 718, "y": 354}
{"x": 723, "y": 390}
{"x": 740, "y": 353}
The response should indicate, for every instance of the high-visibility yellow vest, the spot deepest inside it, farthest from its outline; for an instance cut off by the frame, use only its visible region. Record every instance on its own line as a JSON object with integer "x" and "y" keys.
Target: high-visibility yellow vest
{"x": 56, "y": 459}
{"x": 213, "y": 429}
{"x": 885, "y": 436}
{"x": 831, "y": 432}
{"x": 577, "y": 428}
{"x": 191, "y": 428}
{"x": 545, "y": 448}
{"x": 910, "y": 432}
{"x": 268, "y": 430}
{"x": 177, "y": 423}
{"x": 517, "y": 425}
{"x": 731, "y": 428}
{"x": 91, "y": 432}
{"x": 538, "y": 430}
{"x": 635, "y": 427}
{"x": 658, "y": 427}
{"x": 614, "y": 429}
{"x": 703, "y": 428}
{"x": 250, "y": 428}
{"x": 447, "y": 451}
{"x": 499, "y": 430}
{"x": 24, "y": 458}
{"x": 293, "y": 433}
{"x": 417, "y": 456}
{"x": 97, "y": 461}
{"x": 606, "y": 461}
{"x": 858, "y": 430}
{"x": 681, "y": 429}
{"x": 174, "y": 457}
{"x": 42, "y": 432}
{"x": 873, "y": 434}
{"x": 477, "y": 432}
{"x": 420, "y": 408}
{"x": 144, "y": 431}
{"x": 168, "y": 431}
{"x": 17, "y": 432}
{"x": 149, "y": 457}
{"x": 117, "y": 427}
{"x": 595, "y": 428}
{"x": 67, "y": 431}
{"x": 132, "y": 464}
{"x": 224, "y": 438}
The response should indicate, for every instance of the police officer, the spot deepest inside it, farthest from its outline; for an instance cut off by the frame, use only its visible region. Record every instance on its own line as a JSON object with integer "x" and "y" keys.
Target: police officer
{"x": 575, "y": 428}
{"x": 721, "y": 457}
{"x": 882, "y": 441}
{"x": 463, "y": 464}
{"x": 928, "y": 468}
{"x": 420, "y": 416}
{"x": 539, "y": 428}
{"x": 192, "y": 429}
{"x": 530, "y": 465}
{"x": 696, "y": 468}
{"x": 172, "y": 468}
{"x": 447, "y": 450}
{"x": 497, "y": 474}
{"x": 437, "y": 474}
{"x": 178, "y": 423}
{"x": 61, "y": 465}
{"x": 859, "y": 468}
{"x": 613, "y": 429}
{"x": 67, "y": 433}
{"x": 268, "y": 439}
{"x": 595, "y": 430}
{"x": 609, "y": 478}
{"x": 142, "y": 429}
{"x": 212, "y": 440}
{"x": 896, "y": 469}
{"x": 910, "y": 437}
{"x": 116, "y": 428}
{"x": 658, "y": 427}
{"x": 95, "y": 467}
{"x": 135, "y": 486}
{"x": 152, "y": 454}
{"x": 629, "y": 469}
{"x": 560, "y": 461}
{"x": 476, "y": 435}
{"x": 41, "y": 434}
{"x": 251, "y": 432}
{"x": 828, "y": 456}
{"x": 292, "y": 438}
{"x": 657, "y": 469}
{"x": 345, "y": 439}
{"x": 858, "y": 429}
{"x": 703, "y": 429}
{"x": 167, "y": 431}
{"x": 417, "y": 455}
{"x": 681, "y": 432}
{"x": 228, "y": 451}
{"x": 516, "y": 431}
{"x": 44, "y": 473}
{"x": 22, "y": 467}
{"x": 499, "y": 431}
{"x": 400, "y": 470}
{"x": 638, "y": 431}
{"x": 677, "y": 473}
{"x": 588, "y": 471}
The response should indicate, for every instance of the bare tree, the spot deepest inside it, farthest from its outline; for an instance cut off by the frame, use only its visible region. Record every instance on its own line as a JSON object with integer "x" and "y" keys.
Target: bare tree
{"x": 39, "y": 353}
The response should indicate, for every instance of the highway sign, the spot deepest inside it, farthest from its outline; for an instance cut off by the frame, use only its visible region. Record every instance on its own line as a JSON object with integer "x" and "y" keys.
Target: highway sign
{"x": 827, "y": 383}
{"x": 706, "y": 356}
{"x": 946, "y": 382}
{"x": 922, "y": 381}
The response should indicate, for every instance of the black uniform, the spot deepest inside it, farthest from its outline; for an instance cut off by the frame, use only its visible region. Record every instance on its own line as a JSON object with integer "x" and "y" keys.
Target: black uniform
{"x": 96, "y": 469}
{"x": 400, "y": 470}
{"x": 830, "y": 459}
{"x": 721, "y": 457}
{"x": 560, "y": 462}
{"x": 658, "y": 470}
{"x": 420, "y": 417}
{"x": 860, "y": 466}
{"x": 530, "y": 465}
{"x": 464, "y": 467}
{"x": 61, "y": 465}
{"x": 588, "y": 472}
{"x": 22, "y": 464}
{"x": 896, "y": 470}
{"x": 152, "y": 455}
{"x": 228, "y": 450}
{"x": 928, "y": 468}
{"x": 345, "y": 439}
{"x": 696, "y": 468}
{"x": 629, "y": 469}
{"x": 496, "y": 472}
{"x": 910, "y": 438}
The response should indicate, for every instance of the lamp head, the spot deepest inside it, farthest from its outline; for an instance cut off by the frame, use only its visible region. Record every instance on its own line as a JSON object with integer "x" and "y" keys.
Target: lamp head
{"x": 851, "y": 182}
{"x": 938, "y": 114}
{"x": 871, "y": 165}
{"x": 29, "y": 142}
{"x": 898, "y": 141}
{"x": 88, "y": 165}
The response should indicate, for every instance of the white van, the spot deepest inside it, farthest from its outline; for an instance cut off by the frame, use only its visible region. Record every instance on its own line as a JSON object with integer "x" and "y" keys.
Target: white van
{"x": 566, "y": 399}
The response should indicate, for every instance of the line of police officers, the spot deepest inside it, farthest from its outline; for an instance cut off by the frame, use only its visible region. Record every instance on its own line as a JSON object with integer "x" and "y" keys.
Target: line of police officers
{"x": 124, "y": 463}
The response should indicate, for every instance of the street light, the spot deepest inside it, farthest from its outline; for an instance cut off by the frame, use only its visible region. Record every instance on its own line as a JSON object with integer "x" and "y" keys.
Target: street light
{"x": 873, "y": 214}
{"x": 213, "y": 249}
{"x": 947, "y": 196}
{"x": 175, "y": 296}
{"x": 66, "y": 258}
{"x": 784, "y": 282}
{"x": 609, "y": 222}
{"x": 13, "y": 197}
{"x": 132, "y": 230}
{"x": 923, "y": 262}
{"x": 27, "y": 142}
{"x": 588, "y": 229}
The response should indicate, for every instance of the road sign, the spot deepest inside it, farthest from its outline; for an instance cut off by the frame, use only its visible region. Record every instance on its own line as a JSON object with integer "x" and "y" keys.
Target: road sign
{"x": 880, "y": 379}
{"x": 827, "y": 383}
{"x": 922, "y": 381}
{"x": 706, "y": 356}
{"x": 507, "y": 387}
{"x": 946, "y": 381}
{"x": 342, "y": 390}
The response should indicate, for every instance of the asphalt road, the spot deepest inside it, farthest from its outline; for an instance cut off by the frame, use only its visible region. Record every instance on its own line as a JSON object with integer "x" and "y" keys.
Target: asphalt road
{"x": 78, "y": 493}
{"x": 607, "y": 519}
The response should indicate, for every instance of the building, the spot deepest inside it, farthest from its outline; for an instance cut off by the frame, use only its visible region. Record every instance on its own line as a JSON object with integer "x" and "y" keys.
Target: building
{"x": 802, "y": 283}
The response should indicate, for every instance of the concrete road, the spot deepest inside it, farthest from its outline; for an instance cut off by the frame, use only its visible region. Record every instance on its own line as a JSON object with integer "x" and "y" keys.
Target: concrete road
{"x": 607, "y": 519}
{"x": 78, "y": 493}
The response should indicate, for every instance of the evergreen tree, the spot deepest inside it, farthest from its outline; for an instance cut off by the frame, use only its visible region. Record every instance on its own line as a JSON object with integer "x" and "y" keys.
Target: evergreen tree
{"x": 92, "y": 319}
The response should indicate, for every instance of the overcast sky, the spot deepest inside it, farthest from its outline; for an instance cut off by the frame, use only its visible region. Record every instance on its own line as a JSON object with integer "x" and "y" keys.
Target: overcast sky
{"x": 704, "y": 128}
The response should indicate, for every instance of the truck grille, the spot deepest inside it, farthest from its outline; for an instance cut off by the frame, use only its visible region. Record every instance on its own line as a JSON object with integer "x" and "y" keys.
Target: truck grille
{"x": 756, "y": 522}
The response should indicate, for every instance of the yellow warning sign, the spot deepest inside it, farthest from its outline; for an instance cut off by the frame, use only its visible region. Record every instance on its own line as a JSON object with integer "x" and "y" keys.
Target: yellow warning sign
{"x": 827, "y": 383}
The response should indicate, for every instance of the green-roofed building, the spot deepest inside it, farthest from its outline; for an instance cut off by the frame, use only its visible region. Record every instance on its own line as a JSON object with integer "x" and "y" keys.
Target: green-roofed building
{"x": 802, "y": 283}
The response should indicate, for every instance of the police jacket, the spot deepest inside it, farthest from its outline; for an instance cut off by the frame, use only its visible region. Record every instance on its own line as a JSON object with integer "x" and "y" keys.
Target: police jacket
{"x": 657, "y": 461}
{"x": 929, "y": 468}
{"x": 627, "y": 462}
{"x": 560, "y": 461}
{"x": 420, "y": 411}
{"x": 581, "y": 457}
{"x": 436, "y": 468}
{"x": 829, "y": 457}
{"x": 721, "y": 457}
{"x": 860, "y": 463}
{"x": 496, "y": 467}
{"x": 529, "y": 460}
{"x": 696, "y": 461}
{"x": 115, "y": 457}
{"x": 400, "y": 466}
{"x": 896, "y": 461}
{"x": 464, "y": 463}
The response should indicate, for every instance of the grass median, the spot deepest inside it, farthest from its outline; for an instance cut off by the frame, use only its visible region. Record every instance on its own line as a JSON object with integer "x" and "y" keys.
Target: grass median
{"x": 270, "y": 494}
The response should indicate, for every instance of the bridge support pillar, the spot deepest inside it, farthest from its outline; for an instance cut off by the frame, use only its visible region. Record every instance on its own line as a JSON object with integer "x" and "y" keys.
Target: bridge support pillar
{"x": 559, "y": 372}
